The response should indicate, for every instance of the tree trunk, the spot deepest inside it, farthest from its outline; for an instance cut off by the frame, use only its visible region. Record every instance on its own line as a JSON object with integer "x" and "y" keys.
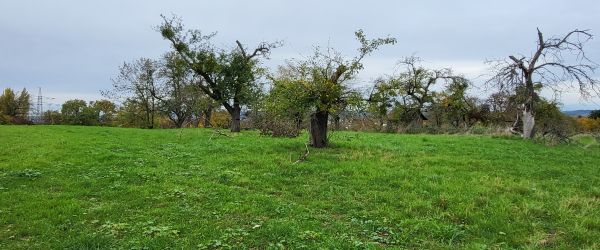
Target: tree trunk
{"x": 180, "y": 123}
{"x": 235, "y": 118}
{"x": 207, "y": 115}
{"x": 149, "y": 119}
{"x": 528, "y": 124}
{"x": 152, "y": 114}
{"x": 298, "y": 119}
{"x": 528, "y": 118}
{"x": 318, "y": 129}
{"x": 197, "y": 120}
{"x": 336, "y": 122}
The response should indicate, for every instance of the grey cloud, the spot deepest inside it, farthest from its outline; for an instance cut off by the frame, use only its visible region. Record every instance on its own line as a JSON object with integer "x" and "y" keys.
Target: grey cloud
{"x": 70, "y": 46}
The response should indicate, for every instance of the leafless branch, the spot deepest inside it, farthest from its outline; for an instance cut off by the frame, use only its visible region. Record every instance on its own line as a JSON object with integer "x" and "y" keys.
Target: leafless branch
{"x": 303, "y": 156}
{"x": 549, "y": 65}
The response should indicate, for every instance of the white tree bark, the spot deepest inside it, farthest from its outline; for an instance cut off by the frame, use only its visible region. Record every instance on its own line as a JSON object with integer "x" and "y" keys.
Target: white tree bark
{"x": 528, "y": 124}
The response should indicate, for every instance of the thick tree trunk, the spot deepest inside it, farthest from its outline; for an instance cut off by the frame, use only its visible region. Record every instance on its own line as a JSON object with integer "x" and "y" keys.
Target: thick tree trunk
{"x": 528, "y": 124}
{"x": 318, "y": 129}
{"x": 235, "y": 118}
{"x": 149, "y": 120}
{"x": 528, "y": 118}
{"x": 180, "y": 123}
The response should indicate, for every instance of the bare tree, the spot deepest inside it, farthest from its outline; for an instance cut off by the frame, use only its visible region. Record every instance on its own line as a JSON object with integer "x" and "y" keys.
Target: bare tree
{"x": 556, "y": 61}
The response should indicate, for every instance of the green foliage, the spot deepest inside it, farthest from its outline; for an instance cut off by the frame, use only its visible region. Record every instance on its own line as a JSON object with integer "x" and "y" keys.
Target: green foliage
{"x": 105, "y": 110}
{"x": 76, "y": 112}
{"x": 595, "y": 114}
{"x": 13, "y": 108}
{"x": 137, "y": 82}
{"x": 318, "y": 86}
{"x": 456, "y": 108}
{"x": 229, "y": 77}
{"x": 52, "y": 117}
{"x": 131, "y": 114}
{"x": 102, "y": 187}
{"x": 408, "y": 99}
{"x": 381, "y": 100}
{"x": 179, "y": 96}
{"x": 553, "y": 124}
{"x": 325, "y": 76}
{"x": 285, "y": 106}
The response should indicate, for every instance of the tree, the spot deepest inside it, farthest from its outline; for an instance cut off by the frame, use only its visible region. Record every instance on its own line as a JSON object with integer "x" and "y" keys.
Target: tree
{"x": 458, "y": 108}
{"x": 502, "y": 110}
{"x": 324, "y": 80}
{"x": 552, "y": 123}
{"x": 285, "y": 106}
{"x": 595, "y": 114}
{"x": 411, "y": 90}
{"x": 137, "y": 83}
{"x": 588, "y": 124}
{"x": 131, "y": 114}
{"x": 52, "y": 117}
{"x": 228, "y": 77}
{"x": 176, "y": 92}
{"x": 202, "y": 107}
{"x": 381, "y": 99}
{"x": 106, "y": 111}
{"x": 548, "y": 66}
{"x": 13, "y": 108}
{"x": 76, "y": 112}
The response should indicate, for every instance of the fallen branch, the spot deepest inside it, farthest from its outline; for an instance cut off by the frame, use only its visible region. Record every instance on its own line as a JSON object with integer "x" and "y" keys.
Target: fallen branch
{"x": 216, "y": 130}
{"x": 304, "y": 156}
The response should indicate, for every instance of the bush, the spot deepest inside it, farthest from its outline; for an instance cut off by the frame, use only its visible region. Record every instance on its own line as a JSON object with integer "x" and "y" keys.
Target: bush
{"x": 589, "y": 125}
{"x": 220, "y": 119}
{"x": 478, "y": 130}
{"x": 554, "y": 126}
{"x": 280, "y": 127}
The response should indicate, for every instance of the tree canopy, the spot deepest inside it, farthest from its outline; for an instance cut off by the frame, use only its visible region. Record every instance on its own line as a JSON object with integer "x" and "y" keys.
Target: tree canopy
{"x": 228, "y": 76}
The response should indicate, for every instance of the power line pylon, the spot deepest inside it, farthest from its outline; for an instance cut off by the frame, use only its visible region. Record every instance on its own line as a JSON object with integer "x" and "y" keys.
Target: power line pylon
{"x": 40, "y": 106}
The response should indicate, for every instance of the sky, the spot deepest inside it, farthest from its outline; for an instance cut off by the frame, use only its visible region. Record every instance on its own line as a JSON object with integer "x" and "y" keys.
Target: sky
{"x": 71, "y": 48}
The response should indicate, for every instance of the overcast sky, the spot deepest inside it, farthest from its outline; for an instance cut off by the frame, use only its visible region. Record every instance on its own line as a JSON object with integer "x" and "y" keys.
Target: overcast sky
{"x": 71, "y": 49}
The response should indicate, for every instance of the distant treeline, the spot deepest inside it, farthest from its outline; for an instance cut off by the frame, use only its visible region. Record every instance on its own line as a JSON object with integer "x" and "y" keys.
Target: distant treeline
{"x": 492, "y": 115}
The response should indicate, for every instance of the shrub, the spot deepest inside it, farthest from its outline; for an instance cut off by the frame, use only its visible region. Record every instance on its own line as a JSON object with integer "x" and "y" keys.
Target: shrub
{"x": 280, "y": 127}
{"x": 588, "y": 124}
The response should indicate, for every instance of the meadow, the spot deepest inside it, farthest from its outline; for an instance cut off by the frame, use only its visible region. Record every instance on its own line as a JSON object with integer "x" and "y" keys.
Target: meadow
{"x": 98, "y": 187}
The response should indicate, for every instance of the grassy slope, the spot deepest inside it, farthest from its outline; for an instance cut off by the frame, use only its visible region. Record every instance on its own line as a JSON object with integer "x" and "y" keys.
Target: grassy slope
{"x": 92, "y": 187}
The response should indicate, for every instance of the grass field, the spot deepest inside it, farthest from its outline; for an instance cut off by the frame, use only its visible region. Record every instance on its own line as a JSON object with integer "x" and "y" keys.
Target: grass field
{"x": 92, "y": 187}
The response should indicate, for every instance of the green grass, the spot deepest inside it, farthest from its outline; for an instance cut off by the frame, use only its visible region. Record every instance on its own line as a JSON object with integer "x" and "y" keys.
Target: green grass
{"x": 92, "y": 187}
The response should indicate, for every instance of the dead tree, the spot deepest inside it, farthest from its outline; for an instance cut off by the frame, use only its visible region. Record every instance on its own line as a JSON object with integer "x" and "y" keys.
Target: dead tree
{"x": 556, "y": 61}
